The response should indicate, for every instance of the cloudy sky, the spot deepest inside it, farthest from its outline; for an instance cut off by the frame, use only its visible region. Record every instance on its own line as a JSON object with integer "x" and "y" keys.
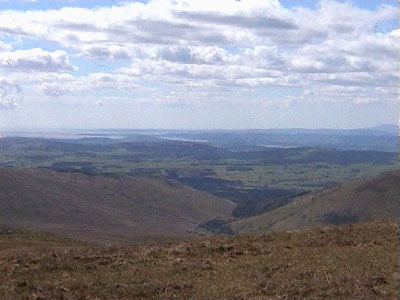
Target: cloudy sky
{"x": 198, "y": 64}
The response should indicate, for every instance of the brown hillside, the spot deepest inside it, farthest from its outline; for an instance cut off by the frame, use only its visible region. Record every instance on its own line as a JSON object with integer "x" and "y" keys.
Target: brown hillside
{"x": 102, "y": 208}
{"x": 374, "y": 199}
{"x": 350, "y": 262}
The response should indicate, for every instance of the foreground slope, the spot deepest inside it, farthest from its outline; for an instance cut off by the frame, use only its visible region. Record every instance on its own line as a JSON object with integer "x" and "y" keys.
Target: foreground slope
{"x": 373, "y": 199}
{"x": 347, "y": 262}
{"x": 104, "y": 208}
{"x": 28, "y": 241}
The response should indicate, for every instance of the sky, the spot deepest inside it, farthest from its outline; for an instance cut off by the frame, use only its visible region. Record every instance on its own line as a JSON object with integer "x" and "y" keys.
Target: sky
{"x": 198, "y": 64}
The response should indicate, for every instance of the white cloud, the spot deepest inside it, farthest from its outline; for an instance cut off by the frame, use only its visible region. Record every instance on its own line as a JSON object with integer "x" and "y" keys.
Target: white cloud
{"x": 194, "y": 22}
{"x": 204, "y": 45}
{"x": 7, "y": 104}
{"x": 10, "y": 94}
{"x": 5, "y": 47}
{"x": 35, "y": 60}
{"x": 56, "y": 85}
{"x": 5, "y": 1}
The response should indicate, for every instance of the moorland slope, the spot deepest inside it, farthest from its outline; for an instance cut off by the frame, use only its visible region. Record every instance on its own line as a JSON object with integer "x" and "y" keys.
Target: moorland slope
{"x": 373, "y": 199}
{"x": 114, "y": 208}
{"x": 349, "y": 262}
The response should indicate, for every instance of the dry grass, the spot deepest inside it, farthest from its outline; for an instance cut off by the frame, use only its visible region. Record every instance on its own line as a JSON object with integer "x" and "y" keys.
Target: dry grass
{"x": 351, "y": 262}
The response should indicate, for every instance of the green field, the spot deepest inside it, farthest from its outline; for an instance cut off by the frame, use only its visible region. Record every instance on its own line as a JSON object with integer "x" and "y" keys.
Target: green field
{"x": 252, "y": 171}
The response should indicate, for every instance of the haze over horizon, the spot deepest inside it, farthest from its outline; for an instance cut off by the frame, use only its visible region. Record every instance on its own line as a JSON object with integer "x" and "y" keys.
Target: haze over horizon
{"x": 249, "y": 64}
{"x": 38, "y": 130}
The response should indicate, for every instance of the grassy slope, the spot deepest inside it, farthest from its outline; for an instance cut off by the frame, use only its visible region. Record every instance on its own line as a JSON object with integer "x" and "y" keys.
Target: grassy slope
{"x": 369, "y": 200}
{"x": 350, "y": 262}
{"x": 104, "y": 209}
{"x": 27, "y": 241}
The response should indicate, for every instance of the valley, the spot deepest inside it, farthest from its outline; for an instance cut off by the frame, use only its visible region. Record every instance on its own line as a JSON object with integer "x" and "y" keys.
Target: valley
{"x": 257, "y": 179}
{"x": 148, "y": 217}
{"x": 199, "y": 150}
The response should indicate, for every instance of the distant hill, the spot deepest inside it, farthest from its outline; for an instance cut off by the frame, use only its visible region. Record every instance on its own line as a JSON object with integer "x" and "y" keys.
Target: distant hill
{"x": 382, "y": 138}
{"x": 388, "y": 128}
{"x": 117, "y": 208}
{"x": 374, "y": 199}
